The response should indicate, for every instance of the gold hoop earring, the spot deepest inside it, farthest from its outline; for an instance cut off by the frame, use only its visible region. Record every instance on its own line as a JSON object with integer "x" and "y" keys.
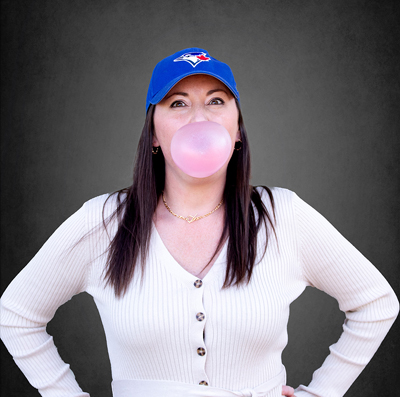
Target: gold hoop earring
{"x": 155, "y": 149}
{"x": 238, "y": 145}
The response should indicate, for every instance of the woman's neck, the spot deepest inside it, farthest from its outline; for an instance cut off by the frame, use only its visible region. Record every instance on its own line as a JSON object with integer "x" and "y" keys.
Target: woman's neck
{"x": 193, "y": 196}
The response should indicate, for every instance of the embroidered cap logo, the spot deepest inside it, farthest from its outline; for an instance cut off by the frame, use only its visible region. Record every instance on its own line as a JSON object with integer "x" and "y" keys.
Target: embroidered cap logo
{"x": 194, "y": 58}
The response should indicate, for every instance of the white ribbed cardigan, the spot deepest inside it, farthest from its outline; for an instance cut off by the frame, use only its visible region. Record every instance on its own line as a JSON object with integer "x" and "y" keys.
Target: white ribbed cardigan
{"x": 153, "y": 332}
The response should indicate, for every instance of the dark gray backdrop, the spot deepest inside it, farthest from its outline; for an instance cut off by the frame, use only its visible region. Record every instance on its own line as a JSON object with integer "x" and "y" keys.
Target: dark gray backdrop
{"x": 320, "y": 98}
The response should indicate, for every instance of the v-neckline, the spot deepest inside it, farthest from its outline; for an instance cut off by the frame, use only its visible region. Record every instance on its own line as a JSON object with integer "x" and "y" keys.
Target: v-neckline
{"x": 213, "y": 275}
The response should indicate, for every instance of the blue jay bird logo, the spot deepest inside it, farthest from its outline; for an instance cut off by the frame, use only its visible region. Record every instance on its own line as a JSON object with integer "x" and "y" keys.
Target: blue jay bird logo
{"x": 194, "y": 58}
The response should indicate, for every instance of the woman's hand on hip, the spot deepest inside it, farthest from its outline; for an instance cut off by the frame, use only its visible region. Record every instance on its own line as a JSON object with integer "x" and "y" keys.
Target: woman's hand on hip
{"x": 288, "y": 391}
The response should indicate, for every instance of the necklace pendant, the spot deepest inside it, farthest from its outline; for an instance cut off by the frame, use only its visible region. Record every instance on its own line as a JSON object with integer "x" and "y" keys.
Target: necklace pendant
{"x": 191, "y": 218}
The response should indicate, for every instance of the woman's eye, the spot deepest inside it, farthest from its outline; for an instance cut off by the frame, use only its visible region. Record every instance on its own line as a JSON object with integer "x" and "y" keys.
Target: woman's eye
{"x": 177, "y": 104}
{"x": 216, "y": 101}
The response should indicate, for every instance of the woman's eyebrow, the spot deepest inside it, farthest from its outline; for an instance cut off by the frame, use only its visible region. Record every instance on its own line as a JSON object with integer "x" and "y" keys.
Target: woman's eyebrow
{"x": 186, "y": 94}
{"x": 216, "y": 90}
{"x": 176, "y": 93}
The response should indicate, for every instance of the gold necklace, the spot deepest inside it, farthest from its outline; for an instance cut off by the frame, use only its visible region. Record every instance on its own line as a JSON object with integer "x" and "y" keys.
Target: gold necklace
{"x": 190, "y": 218}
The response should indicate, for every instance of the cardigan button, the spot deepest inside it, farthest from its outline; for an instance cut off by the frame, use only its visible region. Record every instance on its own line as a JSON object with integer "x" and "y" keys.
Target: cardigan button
{"x": 203, "y": 383}
{"x": 200, "y": 316}
{"x": 201, "y": 351}
{"x": 198, "y": 283}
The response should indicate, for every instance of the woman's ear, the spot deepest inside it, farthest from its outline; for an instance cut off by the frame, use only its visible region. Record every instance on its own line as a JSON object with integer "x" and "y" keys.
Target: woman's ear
{"x": 155, "y": 140}
{"x": 238, "y": 135}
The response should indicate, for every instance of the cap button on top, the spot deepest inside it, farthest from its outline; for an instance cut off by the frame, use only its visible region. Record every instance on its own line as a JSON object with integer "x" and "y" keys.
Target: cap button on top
{"x": 198, "y": 283}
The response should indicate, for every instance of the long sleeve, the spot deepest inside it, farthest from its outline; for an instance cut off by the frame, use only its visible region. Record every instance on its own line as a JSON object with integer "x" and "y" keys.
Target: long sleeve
{"x": 56, "y": 273}
{"x": 331, "y": 264}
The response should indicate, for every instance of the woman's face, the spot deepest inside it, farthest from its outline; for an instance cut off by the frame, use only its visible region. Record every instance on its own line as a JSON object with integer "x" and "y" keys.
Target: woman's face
{"x": 195, "y": 98}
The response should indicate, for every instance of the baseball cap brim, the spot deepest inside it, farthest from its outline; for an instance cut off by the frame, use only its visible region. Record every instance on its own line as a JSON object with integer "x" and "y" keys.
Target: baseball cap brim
{"x": 161, "y": 94}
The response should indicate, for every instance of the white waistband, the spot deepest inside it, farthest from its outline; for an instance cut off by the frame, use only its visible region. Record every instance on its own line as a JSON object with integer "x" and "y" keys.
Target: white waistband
{"x": 156, "y": 388}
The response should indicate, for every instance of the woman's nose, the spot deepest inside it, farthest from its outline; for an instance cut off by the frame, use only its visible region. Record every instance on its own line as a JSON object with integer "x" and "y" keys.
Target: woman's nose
{"x": 198, "y": 114}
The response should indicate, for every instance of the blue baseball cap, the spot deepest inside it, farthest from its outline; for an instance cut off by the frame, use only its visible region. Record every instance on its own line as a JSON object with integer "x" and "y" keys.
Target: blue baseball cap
{"x": 184, "y": 63}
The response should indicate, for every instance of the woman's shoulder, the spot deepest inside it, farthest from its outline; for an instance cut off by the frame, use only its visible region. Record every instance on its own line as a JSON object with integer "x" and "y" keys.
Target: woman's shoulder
{"x": 280, "y": 196}
{"x": 280, "y": 202}
{"x": 103, "y": 206}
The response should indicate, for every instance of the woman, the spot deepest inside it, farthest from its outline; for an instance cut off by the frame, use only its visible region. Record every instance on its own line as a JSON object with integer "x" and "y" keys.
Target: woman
{"x": 193, "y": 277}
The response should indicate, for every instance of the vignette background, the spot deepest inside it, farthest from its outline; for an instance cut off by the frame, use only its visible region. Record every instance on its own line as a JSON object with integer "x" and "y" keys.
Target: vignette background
{"x": 319, "y": 86}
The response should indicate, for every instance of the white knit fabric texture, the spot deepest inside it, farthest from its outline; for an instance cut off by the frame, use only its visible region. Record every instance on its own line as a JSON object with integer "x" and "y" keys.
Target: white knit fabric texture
{"x": 153, "y": 333}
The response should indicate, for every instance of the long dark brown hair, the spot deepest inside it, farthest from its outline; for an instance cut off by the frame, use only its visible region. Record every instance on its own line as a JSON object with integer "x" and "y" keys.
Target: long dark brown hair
{"x": 245, "y": 213}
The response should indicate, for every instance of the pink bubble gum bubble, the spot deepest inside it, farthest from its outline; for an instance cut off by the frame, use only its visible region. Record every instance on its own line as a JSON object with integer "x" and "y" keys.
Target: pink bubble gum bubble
{"x": 201, "y": 149}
